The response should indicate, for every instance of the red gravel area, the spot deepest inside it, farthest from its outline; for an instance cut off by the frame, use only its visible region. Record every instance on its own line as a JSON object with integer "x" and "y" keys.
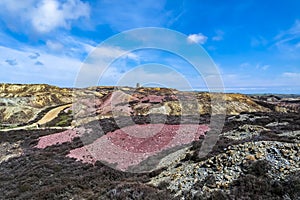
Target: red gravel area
{"x": 118, "y": 103}
{"x": 153, "y": 99}
{"x": 59, "y": 138}
{"x": 122, "y": 148}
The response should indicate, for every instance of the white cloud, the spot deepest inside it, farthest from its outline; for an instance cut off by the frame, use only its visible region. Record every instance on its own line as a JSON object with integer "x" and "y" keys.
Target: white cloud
{"x": 48, "y": 16}
{"x": 219, "y": 36}
{"x": 258, "y": 41}
{"x": 245, "y": 65}
{"x": 47, "y": 68}
{"x": 197, "y": 38}
{"x": 287, "y": 41}
{"x": 105, "y": 63}
{"x": 258, "y": 66}
{"x": 51, "y": 14}
{"x": 44, "y": 16}
{"x": 265, "y": 67}
{"x": 262, "y": 67}
{"x": 291, "y": 33}
{"x": 108, "y": 52}
{"x": 124, "y": 15}
{"x": 291, "y": 75}
{"x": 103, "y": 55}
{"x": 54, "y": 45}
{"x": 70, "y": 46}
{"x": 16, "y": 5}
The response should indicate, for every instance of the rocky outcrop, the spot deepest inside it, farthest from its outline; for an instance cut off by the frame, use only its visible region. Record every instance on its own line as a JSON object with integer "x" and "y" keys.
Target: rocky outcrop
{"x": 219, "y": 172}
{"x": 10, "y": 150}
{"x": 279, "y": 103}
{"x": 21, "y": 103}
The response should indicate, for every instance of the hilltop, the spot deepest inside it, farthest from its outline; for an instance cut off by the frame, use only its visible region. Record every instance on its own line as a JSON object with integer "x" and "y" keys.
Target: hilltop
{"x": 144, "y": 143}
{"x": 20, "y": 104}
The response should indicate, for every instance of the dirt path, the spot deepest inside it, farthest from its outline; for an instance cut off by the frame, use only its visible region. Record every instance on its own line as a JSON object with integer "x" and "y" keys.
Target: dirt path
{"x": 52, "y": 114}
{"x": 34, "y": 127}
{"x": 49, "y": 116}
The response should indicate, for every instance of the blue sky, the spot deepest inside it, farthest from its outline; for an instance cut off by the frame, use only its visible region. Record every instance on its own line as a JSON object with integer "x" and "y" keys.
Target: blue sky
{"x": 255, "y": 44}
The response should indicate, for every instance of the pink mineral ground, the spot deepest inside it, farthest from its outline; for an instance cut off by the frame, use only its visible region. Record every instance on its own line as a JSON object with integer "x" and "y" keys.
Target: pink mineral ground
{"x": 59, "y": 138}
{"x": 131, "y": 145}
{"x": 153, "y": 99}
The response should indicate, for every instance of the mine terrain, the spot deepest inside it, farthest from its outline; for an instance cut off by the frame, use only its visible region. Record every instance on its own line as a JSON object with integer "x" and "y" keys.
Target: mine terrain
{"x": 147, "y": 143}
